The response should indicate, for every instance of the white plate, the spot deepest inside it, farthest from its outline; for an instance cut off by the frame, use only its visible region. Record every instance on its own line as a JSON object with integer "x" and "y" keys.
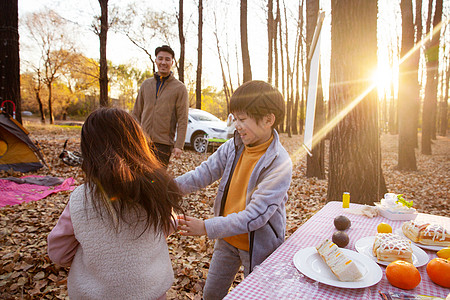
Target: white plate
{"x": 309, "y": 262}
{"x": 365, "y": 245}
{"x": 399, "y": 231}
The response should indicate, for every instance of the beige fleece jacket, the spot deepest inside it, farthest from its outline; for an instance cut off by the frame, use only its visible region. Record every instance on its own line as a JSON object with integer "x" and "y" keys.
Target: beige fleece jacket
{"x": 162, "y": 116}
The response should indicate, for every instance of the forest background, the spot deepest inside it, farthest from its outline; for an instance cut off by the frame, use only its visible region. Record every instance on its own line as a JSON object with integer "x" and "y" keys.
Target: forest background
{"x": 383, "y": 69}
{"x": 380, "y": 124}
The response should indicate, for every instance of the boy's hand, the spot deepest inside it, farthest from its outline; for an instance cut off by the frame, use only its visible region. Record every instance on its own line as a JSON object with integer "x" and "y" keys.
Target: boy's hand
{"x": 191, "y": 226}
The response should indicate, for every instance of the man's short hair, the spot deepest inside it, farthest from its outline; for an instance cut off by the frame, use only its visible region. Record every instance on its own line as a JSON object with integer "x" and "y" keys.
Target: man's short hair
{"x": 165, "y": 48}
{"x": 257, "y": 99}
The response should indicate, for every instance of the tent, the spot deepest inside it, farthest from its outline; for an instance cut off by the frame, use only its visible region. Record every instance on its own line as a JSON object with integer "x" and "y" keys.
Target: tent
{"x": 17, "y": 151}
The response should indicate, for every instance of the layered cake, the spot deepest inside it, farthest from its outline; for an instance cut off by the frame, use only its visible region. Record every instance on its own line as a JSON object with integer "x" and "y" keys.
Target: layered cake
{"x": 427, "y": 234}
{"x": 412, "y": 229}
{"x": 391, "y": 247}
{"x": 341, "y": 266}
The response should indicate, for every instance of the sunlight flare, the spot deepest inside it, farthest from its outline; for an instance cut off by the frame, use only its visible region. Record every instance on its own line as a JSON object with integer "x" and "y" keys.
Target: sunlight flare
{"x": 380, "y": 77}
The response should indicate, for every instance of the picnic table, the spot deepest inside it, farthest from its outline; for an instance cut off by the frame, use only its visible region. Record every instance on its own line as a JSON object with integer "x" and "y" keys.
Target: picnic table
{"x": 278, "y": 278}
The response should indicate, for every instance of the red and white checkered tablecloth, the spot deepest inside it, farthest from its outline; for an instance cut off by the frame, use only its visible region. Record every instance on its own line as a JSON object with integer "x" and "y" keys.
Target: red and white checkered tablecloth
{"x": 277, "y": 277}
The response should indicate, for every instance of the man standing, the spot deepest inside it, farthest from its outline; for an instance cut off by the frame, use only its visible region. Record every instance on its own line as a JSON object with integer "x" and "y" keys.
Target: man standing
{"x": 162, "y": 107}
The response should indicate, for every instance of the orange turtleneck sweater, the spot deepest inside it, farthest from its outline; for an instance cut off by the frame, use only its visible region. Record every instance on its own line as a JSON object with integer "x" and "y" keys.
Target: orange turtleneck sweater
{"x": 237, "y": 191}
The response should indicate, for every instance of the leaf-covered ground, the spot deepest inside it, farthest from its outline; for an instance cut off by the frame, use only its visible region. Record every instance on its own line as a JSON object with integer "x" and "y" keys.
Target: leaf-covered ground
{"x": 27, "y": 273}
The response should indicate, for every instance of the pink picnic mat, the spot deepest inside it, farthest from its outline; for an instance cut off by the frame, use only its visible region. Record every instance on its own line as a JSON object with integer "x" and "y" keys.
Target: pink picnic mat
{"x": 12, "y": 193}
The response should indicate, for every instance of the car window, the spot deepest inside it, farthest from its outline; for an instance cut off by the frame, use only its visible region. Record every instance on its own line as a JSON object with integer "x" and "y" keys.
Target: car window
{"x": 203, "y": 117}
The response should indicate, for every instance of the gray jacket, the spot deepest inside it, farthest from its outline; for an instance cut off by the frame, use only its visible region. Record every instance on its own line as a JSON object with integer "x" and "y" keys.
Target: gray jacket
{"x": 264, "y": 217}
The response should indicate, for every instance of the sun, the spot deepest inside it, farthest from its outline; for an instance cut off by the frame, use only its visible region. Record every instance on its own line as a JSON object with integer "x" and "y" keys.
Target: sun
{"x": 382, "y": 78}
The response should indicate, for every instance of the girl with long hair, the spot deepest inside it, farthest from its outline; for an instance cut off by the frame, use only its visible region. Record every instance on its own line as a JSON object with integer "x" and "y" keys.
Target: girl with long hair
{"x": 113, "y": 231}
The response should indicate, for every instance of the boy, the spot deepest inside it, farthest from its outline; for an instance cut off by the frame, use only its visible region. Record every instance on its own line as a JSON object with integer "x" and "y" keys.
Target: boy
{"x": 249, "y": 211}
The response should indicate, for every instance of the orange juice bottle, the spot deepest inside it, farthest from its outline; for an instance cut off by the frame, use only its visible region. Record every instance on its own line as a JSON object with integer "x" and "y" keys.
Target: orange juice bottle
{"x": 346, "y": 200}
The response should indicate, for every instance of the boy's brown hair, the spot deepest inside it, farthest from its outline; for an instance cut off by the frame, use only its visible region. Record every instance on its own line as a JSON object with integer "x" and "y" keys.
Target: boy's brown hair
{"x": 257, "y": 99}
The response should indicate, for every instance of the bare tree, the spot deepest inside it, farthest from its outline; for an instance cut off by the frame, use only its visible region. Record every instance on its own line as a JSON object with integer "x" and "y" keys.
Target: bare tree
{"x": 37, "y": 88}
{"x": 246, "y": 66}
{"x": 393, "y": 111}
{"x": 275, "y": 38}
{"x": 227, "y": 61}
{"x": 443, "y": 109}
{"x": 198, "y": 83}
{"x": 355, "y": 160}
{"x": 408, "y": 93}
{"x": 315, "y": 164}
{"x": 180, "y": 17}
{"x": 416, "y": 56}
{"x": 144, "y": 27}
{"x": 270, "y": 39}
{"x": 224, "y": 79}
{"x": 237, "y": 64}
{"x": 50, "y": 33}
{"x": 298, "y": 75}
{"x": 289, "y": 81}
{"x": 9, "y": 53}
{"x": 283, "y": 85}
{"x": 103, "y": 34}
{"x": 430, "y": 101}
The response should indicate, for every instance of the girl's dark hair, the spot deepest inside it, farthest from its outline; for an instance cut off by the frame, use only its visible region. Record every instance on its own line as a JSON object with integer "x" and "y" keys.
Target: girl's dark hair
{"x": 257, "y": 99}
{"x": 123, "y": 173}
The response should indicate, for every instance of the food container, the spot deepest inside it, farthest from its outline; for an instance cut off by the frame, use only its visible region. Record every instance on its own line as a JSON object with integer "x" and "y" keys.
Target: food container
{"x": 396, "y": 216}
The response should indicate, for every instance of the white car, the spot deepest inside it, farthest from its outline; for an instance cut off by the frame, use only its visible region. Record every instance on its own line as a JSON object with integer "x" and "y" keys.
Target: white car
{"x": 202, "y": 124}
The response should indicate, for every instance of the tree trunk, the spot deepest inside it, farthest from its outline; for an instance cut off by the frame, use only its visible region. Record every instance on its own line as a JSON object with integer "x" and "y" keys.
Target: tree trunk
{"x": 198, "y": 84}
{"x": 430, "y": 101}
{"x": 9, "y": 57}
{"x": 270, "y": 21}
{"x": 355, "y": 158}
{"x": 288, "y": 78}
{"x": 416, "y": 104}
{"x": 393, "y": 129}
{"x": 41, "y": 107}
{"x": 297, "y": 70}
{"x": 182, "y": 42}
{"x": 315, "y": 164}
{"x": 237, "y": 65}
{"x": 227, "y": 61}
{"x": 275, "y": 39}
{"x": 283, "y": 86}
{"x": 443, "y": 119}
{"x": 224, "y": 78}
{"x": 408, "y": 94}
{"x": 50, "y": 106}
{"x": 103, "y": 80}
{"x": 247, "y": 69}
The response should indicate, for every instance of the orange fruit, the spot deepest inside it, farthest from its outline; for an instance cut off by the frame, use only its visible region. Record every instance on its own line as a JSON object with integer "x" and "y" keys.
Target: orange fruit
{"x": 384, "y": 228}
{"x": 403, "y": 275}
{"x": 438, "y": 269}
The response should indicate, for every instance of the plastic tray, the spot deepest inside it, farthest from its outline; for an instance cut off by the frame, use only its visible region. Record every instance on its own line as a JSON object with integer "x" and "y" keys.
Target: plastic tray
{"x": 397, "y": 216}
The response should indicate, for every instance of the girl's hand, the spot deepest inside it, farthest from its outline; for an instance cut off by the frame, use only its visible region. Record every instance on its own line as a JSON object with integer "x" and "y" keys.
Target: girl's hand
{"x": 191, "y": 226}
{"x": 173, "y": 225}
